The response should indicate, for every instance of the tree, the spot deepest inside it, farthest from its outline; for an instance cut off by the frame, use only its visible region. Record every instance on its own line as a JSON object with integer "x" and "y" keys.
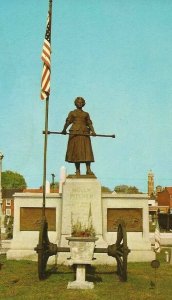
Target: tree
{"x": 13, "y": 180}
{"x": 125, "y": 189}
{"x": 105, "y": 189}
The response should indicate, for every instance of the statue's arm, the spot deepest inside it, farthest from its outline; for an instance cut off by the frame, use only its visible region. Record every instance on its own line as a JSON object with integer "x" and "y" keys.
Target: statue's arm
{"x": 64, "y": 128}
{"x": 69, "y": 121}
{"x": 90, "y": 125}
{"x": 92, "y": 129}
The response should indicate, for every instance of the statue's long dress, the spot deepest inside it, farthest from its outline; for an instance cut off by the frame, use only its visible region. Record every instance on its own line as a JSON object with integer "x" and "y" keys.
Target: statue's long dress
{"x": 79, "y": 148}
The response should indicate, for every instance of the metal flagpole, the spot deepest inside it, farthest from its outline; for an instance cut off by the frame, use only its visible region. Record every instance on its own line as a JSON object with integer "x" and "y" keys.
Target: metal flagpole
{"x": 48, "y": 36}
{"x": 43, "y": 247}
{"x": 45, "y": 156}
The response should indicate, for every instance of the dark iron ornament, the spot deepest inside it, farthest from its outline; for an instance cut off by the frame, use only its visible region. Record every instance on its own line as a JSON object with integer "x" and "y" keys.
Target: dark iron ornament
{"x": 44, "y": 249}
{"x": 155, "y": 264}
{"x": 119, "y": 250}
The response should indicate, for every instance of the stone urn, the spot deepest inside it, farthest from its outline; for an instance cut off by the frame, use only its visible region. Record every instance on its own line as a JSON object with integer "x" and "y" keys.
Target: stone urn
{"x": 82, "y": 249}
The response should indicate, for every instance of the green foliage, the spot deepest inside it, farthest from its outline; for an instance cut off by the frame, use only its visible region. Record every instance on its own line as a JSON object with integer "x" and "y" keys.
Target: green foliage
{"x": 80, "y": 230}
{"x": 13, "y": 180}
{"x": 105, "y": 189}
{"x": 125, "y": 189}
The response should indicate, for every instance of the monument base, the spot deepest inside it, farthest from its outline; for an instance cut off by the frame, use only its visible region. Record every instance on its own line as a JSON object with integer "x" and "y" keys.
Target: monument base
{"x": 141, "y": 255}
{"x": 27, "y": 209}
{"x": 16, "y": 254}
{"x": 80, "y": 199}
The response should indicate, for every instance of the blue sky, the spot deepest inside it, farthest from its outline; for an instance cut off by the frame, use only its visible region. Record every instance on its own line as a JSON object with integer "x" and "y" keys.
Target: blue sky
{"x": 117, "y": 54}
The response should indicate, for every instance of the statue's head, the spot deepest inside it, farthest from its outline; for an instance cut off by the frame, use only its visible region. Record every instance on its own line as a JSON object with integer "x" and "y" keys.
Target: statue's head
{"x": 79, "y": 99}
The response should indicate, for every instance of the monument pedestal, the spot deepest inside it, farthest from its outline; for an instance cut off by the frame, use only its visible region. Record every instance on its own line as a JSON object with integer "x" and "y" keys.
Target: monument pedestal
{"x": 81, "y": 200}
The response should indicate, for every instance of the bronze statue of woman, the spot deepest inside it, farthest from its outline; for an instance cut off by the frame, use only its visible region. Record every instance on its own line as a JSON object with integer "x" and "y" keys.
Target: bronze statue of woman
{"x": 79, "y": 149}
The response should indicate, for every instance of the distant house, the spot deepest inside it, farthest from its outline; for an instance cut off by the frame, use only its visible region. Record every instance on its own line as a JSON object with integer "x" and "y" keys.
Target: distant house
{"x": 8, "y": 198}
{"x": 164, "y": 198}
{"x": 8, "y": 201}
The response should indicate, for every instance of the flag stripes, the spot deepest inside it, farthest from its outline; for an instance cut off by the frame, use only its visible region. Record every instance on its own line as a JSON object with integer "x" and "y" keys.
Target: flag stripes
{"x": 46, "y": 58}
{"x": 157, "y": 247}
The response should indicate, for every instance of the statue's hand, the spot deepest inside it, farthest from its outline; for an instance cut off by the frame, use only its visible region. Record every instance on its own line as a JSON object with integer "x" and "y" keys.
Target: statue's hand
{"x": 63, "y": 131}
{"x": 93, "y": 133}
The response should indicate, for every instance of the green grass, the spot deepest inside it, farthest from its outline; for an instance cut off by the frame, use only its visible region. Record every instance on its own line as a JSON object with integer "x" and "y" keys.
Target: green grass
{"x": 19, "y": 280}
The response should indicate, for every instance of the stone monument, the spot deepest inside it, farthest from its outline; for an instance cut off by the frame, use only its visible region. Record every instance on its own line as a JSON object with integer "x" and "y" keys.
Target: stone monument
{"x": 81, "y": 193}
{"x": 80, "y": 199}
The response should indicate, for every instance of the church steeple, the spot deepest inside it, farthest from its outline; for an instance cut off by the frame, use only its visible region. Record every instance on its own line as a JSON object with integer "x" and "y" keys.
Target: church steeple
{"x": 150, "y": 183}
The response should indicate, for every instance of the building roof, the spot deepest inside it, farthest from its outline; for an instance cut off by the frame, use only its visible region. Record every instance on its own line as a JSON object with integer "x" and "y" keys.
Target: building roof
{"x": 33, "y": 190}
{"x": 40, "y": 190}
{"x": 8, "y": 193}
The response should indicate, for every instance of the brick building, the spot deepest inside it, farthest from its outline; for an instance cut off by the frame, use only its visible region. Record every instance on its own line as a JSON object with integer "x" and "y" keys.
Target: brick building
{"x": 8, "y": 201}
{"x": 8, "y": 198}
{"x": 164, "y": 198}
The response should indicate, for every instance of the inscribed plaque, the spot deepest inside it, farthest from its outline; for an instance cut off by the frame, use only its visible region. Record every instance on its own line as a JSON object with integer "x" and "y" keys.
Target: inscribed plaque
{"x": 131, "y": 216}
{"x": 30, "y": 218}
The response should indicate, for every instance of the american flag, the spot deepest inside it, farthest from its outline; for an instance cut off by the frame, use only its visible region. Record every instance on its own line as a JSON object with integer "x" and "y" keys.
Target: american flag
{"x": 46, "y": 58}
{"x": 157, "y": 247}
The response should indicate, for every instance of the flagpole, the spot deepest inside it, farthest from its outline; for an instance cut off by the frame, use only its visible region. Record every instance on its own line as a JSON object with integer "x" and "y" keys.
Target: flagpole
{"x": 50, "y": 10}
{"x": 45, "y": 156}
{"x": 46, "y": 133}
